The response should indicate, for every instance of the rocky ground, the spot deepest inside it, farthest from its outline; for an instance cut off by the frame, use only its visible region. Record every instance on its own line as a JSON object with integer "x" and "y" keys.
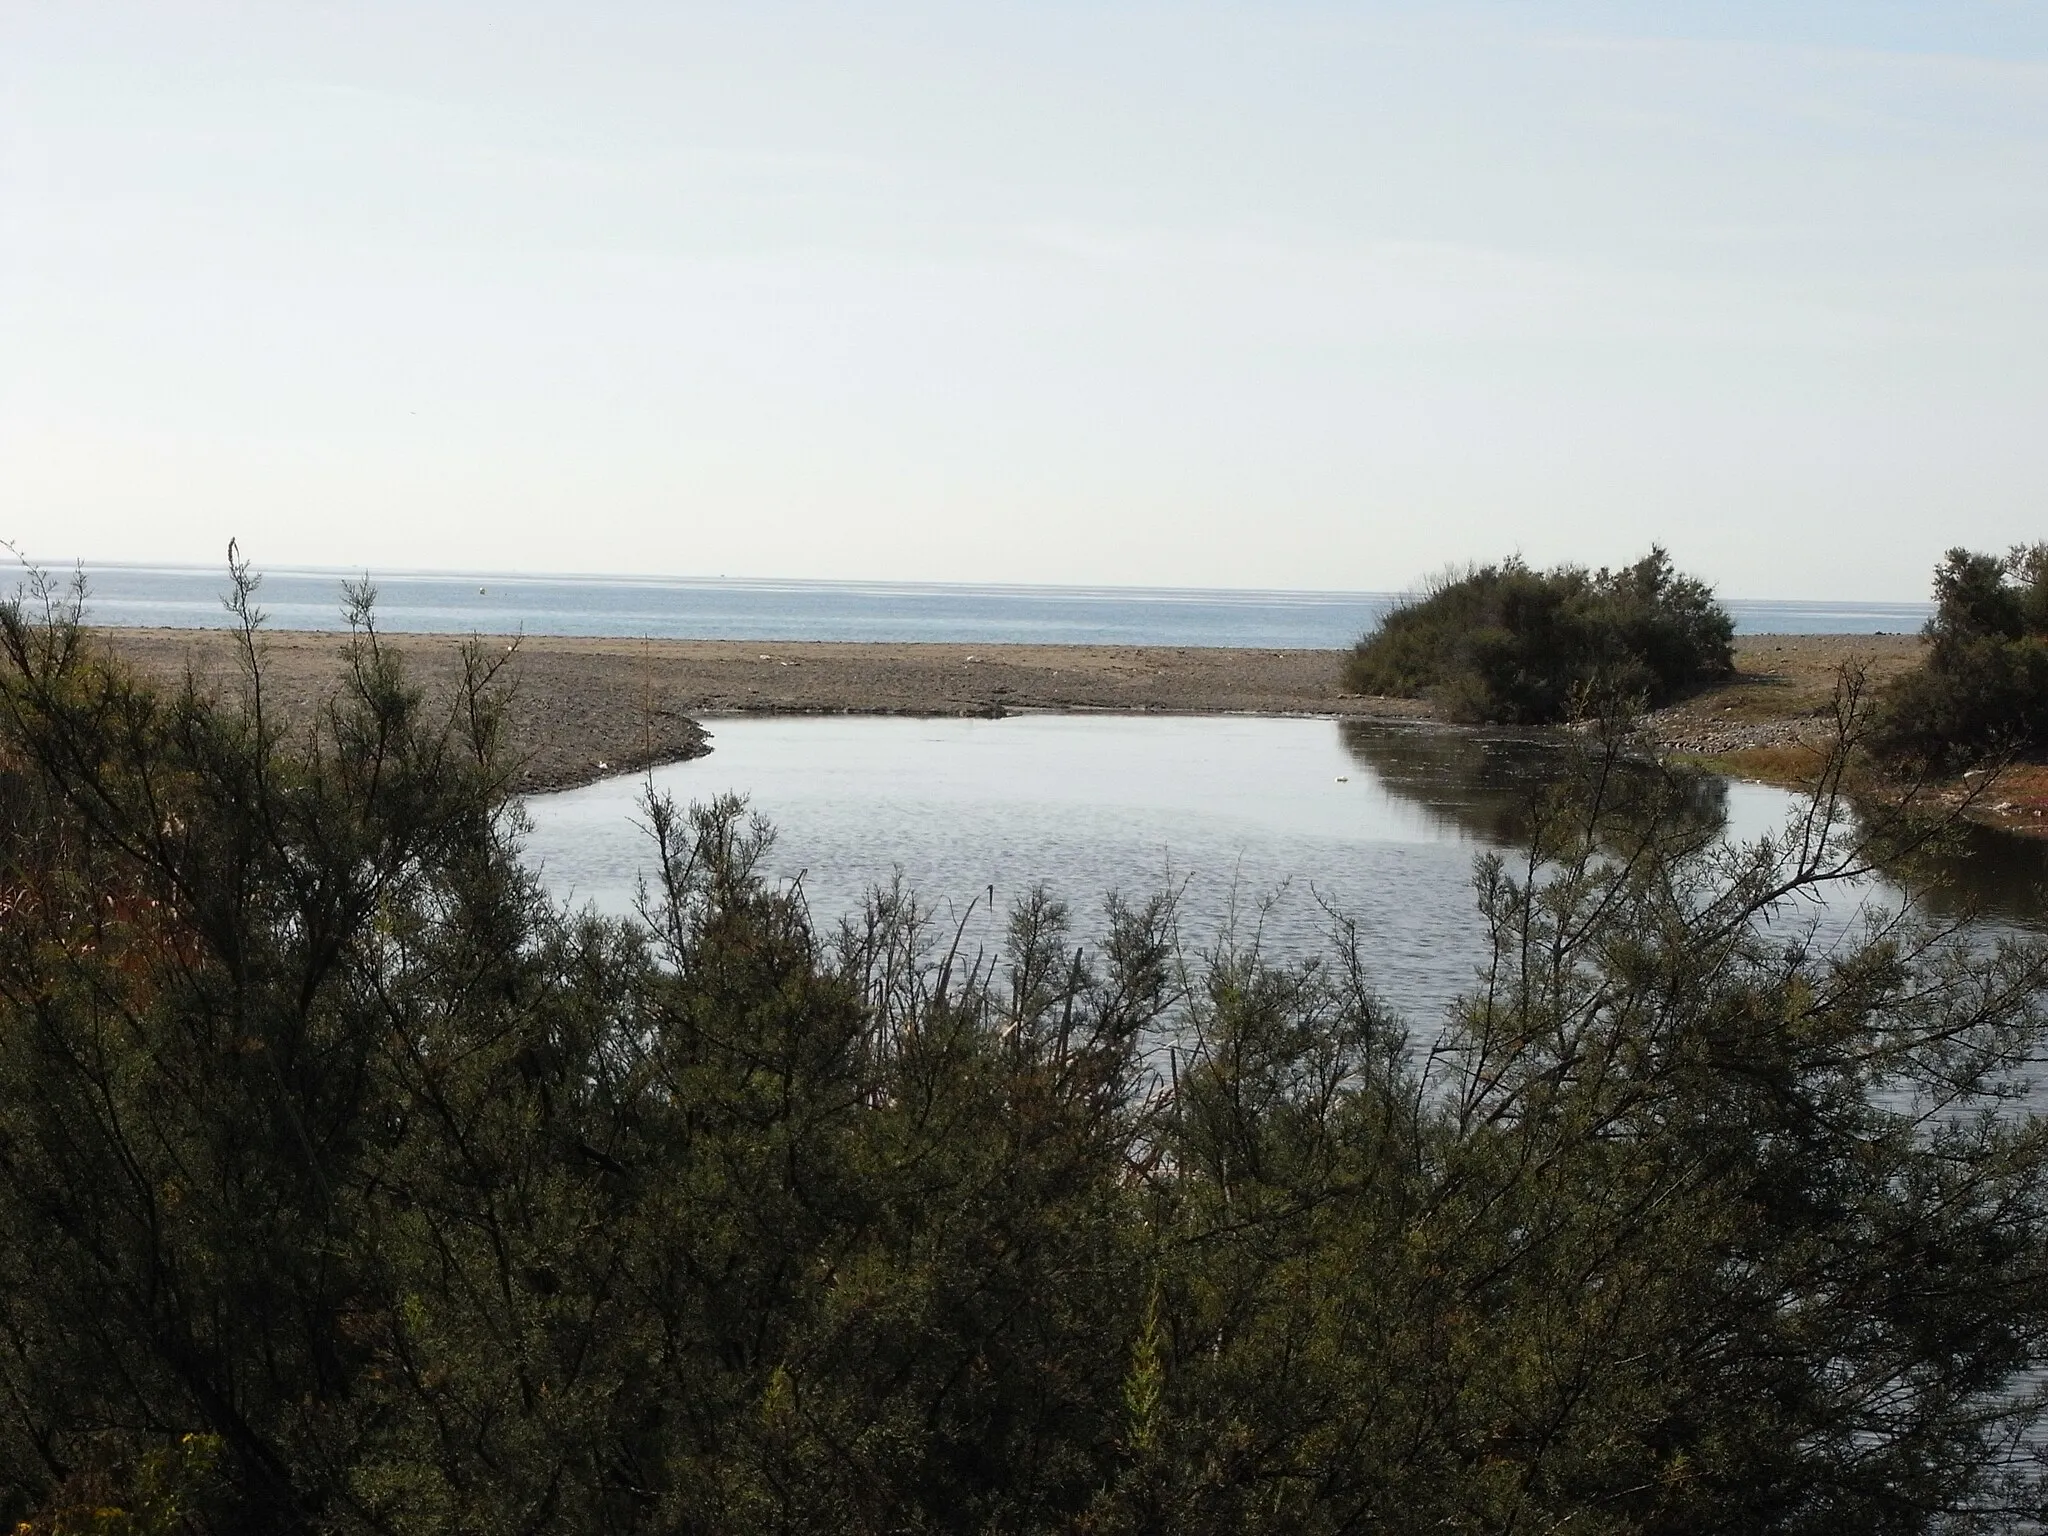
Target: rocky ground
{"x": 1782, "y": 693}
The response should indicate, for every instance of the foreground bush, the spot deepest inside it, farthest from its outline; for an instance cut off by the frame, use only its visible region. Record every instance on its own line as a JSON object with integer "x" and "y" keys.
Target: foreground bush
{"x": 1983, "y": 690}
{"x": 1505, "y": 643}
{"x": 346, "y": 1184}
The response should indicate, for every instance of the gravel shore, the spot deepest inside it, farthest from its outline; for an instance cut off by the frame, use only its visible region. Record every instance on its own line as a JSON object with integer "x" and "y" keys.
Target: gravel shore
{"x": 585, "y": 708}
{"x": 1781, "y": 694}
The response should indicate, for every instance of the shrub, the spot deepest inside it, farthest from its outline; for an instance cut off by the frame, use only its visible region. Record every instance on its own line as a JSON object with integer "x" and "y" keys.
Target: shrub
{"x": 1505, "y": 643}
{"x": 1983, "y": 689}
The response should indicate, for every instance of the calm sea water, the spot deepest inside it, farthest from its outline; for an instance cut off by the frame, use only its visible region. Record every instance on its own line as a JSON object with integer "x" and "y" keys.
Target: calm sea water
{"x": 1259, "y": 824}
{"x": 183, "y": 597}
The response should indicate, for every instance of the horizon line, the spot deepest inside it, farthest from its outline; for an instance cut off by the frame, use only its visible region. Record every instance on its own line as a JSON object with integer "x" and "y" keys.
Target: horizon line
{"x": 885, "y": 584}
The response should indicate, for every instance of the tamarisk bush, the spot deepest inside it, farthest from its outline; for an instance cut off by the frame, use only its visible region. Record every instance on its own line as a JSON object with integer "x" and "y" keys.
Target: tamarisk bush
{"x": 1506, "y": 643}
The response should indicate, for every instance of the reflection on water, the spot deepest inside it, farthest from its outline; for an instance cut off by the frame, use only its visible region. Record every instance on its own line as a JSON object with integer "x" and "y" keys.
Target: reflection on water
{"x": 1487, "y": 783}
{"x": 1981, "y": 870}
{"x": 1255, "y": 821}
{"x": 1481, "y": 783}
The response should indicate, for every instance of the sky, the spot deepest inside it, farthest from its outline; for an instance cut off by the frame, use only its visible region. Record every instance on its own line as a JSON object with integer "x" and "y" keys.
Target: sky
{"x": 1243, "y": 295}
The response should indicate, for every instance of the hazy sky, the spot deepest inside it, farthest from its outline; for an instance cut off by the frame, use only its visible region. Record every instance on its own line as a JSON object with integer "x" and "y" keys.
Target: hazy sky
{"x": 1248, "y": 295}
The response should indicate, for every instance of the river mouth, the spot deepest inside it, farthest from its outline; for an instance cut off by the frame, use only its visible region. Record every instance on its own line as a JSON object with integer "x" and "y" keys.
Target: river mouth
{"x": 1263, "y": 827}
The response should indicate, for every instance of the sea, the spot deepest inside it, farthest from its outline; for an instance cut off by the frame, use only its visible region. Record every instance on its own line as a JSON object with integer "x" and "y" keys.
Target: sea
{"x": 706, "y": 608}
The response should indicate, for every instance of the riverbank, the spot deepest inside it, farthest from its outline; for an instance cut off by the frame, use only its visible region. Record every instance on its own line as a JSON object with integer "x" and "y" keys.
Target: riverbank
{"x": 585, "y": 708}
{"x": 1769, "y": 723}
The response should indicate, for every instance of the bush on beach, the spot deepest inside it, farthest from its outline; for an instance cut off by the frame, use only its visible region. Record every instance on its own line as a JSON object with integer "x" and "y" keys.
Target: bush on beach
{"x": 1508, "y": 644}
{"x": 348, "y": 1184}
{"x": 1983, "y": 690}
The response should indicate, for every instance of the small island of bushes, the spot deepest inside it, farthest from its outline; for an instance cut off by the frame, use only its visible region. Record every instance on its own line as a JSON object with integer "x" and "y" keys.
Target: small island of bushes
{"x": 1508, "y": 644}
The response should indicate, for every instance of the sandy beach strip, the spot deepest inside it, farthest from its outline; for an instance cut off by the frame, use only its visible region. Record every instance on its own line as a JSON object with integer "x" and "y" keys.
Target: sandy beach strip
{"x": 583, "y": 708}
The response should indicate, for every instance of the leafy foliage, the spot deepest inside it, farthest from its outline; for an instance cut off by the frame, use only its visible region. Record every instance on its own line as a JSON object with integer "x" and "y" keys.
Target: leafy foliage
{"x": 1983, "y": 689}
{"x": 1505, "y": 643}
{"x": 349, "y": 1185}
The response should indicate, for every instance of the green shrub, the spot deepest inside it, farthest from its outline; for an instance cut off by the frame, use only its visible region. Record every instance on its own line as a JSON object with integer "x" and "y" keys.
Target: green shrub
{"x": 1506, "y": 643}
{"x": 1983, "y": 689}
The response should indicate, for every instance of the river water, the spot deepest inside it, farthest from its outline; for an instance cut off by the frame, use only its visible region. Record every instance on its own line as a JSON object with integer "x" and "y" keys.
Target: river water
{"x": 1258, "y": 824}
